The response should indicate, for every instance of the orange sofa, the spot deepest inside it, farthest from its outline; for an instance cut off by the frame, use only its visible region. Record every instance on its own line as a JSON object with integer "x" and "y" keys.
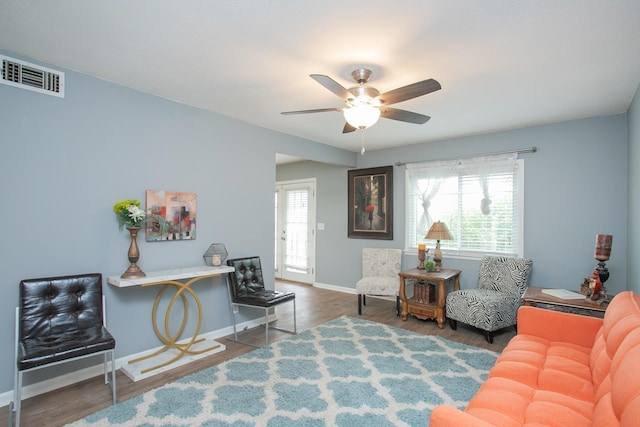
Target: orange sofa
{"x": 562, "y": 370}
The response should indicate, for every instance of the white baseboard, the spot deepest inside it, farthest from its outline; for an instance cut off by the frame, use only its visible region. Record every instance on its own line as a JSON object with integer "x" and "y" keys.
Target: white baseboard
{"x": 349, "y": 291}
{"x": 334, "y": 288}
{"x": 97, "y": 370}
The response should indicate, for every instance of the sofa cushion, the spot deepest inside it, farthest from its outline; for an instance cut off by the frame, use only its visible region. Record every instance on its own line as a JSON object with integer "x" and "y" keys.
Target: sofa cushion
{"x": 504, "y": 402}
{"x": 537, "y": 381}
{"x": 621, "y": 318}
{"x": 378, "y": 286}
{"x": 547, "y": 365}
{"x": 486, "y": 309}
{"x": 615, "y": 372}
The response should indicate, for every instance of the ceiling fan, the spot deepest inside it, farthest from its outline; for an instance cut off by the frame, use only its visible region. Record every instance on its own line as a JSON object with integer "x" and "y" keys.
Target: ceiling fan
{"x": 365, "y": 104}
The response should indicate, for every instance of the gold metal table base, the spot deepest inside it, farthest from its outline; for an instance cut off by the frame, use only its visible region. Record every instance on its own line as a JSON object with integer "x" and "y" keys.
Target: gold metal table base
{"x": 168, "y": 338}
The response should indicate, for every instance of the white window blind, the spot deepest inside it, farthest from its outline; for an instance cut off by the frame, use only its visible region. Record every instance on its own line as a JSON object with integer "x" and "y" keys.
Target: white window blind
{"x": 479, "y": 199}
{"x": 297, "y": 226}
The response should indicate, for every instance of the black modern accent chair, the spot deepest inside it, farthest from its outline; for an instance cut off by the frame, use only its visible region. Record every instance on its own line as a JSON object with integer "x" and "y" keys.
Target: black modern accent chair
{"x": 60, "y": 319}
{"x": 246, "y": 288}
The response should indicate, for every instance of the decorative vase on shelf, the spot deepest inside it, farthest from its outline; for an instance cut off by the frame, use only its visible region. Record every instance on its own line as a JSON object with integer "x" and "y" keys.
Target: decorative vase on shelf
{"x": 134, "y": 270}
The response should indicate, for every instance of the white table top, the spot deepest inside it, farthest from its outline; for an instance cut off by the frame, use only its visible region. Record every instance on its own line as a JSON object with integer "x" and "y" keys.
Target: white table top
{"x": 173, "y": 274}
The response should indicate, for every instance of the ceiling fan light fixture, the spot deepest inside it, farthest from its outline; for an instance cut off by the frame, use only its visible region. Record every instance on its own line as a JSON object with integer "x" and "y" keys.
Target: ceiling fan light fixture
{"x": 362, "y": 116}
{"x": 364, "y": 103}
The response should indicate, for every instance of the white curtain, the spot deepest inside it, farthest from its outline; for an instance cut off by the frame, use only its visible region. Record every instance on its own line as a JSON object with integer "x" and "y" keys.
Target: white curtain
{"x": 424, "y": 180}
{"x": 480, "y": 168}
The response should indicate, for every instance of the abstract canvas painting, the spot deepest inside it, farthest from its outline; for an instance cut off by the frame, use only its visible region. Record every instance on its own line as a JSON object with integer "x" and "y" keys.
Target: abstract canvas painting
{"x": 178, "y": 208}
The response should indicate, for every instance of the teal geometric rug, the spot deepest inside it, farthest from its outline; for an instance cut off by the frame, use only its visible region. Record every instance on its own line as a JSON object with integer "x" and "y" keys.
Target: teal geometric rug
{"x": 346, "y": 372}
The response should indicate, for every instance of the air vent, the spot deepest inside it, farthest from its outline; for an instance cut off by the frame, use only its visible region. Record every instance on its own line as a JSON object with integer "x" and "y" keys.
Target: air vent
{"x": 32, "y": 77}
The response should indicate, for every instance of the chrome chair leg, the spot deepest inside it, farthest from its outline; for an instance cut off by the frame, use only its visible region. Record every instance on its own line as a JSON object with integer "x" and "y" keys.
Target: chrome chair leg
{"x": 112, "y": 383}
{"x": 266, "y": 326}
{"x": 295, "y": 328}
{"x": 17, "y": 399}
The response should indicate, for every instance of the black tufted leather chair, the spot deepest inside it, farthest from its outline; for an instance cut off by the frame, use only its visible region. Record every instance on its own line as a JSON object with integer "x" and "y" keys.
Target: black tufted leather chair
{"x": 246, "y": 288}
{"x": 60, "y": 319}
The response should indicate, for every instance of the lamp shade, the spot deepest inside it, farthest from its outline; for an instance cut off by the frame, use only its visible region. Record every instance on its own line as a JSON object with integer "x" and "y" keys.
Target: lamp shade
{"x": 439, "y": 231}
{"x": 362, "y": 116}
{"x": 603, "y": 246}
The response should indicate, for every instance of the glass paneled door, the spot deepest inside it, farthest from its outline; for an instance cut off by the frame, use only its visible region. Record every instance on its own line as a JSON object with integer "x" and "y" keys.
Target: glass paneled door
{"x": 295, "y": 230}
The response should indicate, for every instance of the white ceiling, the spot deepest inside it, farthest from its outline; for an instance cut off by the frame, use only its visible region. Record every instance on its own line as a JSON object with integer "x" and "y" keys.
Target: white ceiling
{"x": 503, "y": 64}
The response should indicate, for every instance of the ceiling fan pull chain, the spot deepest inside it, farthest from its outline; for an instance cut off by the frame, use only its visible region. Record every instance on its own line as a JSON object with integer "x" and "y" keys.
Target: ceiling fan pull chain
{"x": 362, "y": 142}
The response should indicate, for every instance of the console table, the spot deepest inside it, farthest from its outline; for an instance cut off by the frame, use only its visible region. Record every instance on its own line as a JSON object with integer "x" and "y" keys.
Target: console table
{"x": 534, "y": 296}
{"x": 425, "y": 309}
{"x": 172, "y": 352}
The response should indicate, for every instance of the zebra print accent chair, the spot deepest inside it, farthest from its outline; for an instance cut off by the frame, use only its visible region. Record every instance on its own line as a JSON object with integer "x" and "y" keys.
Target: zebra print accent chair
{"x": 494, "y": 303}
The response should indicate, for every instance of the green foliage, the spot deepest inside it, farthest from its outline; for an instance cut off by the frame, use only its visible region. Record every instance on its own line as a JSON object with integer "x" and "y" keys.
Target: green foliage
{"x": 129, "y": 214}
{"x": 430, "y": 265}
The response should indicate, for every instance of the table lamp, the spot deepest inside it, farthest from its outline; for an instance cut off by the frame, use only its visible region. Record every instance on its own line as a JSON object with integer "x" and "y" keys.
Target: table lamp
{"x": 602, "y": 254}
{"x": 438, "y": 231}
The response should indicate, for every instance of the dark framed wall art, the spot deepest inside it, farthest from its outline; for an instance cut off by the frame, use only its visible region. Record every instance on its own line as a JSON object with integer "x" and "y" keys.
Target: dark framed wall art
{"x": 370, "y": 205}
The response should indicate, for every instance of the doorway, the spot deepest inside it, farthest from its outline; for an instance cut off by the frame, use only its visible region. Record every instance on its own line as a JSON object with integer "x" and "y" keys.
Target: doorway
{"x": 295, "y": 205}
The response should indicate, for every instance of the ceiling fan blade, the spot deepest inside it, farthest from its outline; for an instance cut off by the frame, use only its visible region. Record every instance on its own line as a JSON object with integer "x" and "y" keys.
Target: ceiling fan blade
{"x": 403, "y": 115}
{"x": 317, "y": 110}
{"x": 348, "y": 128}
{"x": 410, "y": 91}
{"x": 332, "y": 85}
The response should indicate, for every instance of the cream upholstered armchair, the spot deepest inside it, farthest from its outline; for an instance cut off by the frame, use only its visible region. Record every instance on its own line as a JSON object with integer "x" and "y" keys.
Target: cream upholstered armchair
{"x": 380, "y": 268}
{"x": 494, "y": 303}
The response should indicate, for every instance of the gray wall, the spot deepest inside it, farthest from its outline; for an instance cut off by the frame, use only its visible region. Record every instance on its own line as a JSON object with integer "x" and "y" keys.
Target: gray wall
{"x": 575, "y": 188}
{"x": 634, "y": 195}
{"x": 65, "y": 162}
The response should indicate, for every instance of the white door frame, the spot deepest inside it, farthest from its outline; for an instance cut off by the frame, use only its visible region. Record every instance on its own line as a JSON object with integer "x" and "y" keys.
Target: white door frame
{"x": 281, "y": 272}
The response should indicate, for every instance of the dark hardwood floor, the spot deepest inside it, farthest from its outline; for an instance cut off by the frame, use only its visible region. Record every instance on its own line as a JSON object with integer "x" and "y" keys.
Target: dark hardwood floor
{"x": 314, "y": 306}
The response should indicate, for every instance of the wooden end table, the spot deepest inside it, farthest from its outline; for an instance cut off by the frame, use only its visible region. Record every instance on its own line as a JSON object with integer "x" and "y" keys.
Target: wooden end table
{"x": 425, "y": 310}
{"x": 534, "y": 296}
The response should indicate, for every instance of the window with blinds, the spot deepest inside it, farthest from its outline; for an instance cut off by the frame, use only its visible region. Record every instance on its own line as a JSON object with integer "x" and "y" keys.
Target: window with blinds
{"x": 297, "y": 226}
{"x": 480, "y": 200}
